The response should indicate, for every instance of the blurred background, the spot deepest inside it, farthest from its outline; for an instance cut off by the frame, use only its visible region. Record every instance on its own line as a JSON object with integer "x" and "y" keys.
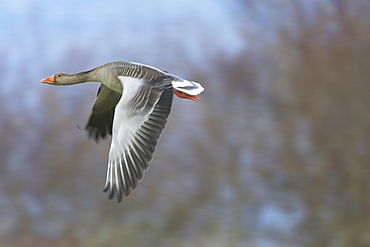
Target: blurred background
{"x": 277, "y": 153}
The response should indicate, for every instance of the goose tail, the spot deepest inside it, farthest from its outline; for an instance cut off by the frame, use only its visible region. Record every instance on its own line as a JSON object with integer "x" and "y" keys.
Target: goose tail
{"x": 188, "y": 87}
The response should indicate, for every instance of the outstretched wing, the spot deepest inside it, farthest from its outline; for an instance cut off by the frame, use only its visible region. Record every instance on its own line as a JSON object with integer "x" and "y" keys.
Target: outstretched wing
{"x": 101, "y": 117}
{"x": 140, "y": 117}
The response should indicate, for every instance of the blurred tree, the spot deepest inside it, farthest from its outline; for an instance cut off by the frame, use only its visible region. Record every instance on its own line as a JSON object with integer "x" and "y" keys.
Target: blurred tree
{"x": 325, "y": 121}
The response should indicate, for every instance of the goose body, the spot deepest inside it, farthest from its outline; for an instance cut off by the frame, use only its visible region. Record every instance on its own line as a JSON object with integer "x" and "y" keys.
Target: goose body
{"x": 133, "y": 104}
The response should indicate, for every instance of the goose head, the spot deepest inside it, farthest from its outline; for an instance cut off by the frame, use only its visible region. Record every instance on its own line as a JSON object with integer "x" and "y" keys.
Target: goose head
{"x": 64, "y": 79}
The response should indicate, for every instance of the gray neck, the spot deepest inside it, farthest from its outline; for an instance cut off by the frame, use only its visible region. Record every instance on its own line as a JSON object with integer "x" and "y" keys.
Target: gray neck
{"x": 99, "y": 74}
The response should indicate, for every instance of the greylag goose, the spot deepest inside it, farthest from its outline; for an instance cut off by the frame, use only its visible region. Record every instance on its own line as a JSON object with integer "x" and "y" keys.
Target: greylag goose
{"x": 132, "y": 105}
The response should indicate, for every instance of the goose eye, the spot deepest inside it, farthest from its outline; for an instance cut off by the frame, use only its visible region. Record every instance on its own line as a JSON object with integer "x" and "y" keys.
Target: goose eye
{"x": 59, "y": 75}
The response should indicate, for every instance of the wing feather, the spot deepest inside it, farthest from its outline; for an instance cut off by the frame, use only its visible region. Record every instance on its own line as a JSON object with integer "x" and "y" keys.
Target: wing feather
{"x": 100, "y": 122}
{"x": 140, "y": 116}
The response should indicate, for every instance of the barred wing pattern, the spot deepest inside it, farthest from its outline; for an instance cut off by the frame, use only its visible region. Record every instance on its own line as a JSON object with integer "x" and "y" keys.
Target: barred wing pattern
{"x": 140, "y": 117}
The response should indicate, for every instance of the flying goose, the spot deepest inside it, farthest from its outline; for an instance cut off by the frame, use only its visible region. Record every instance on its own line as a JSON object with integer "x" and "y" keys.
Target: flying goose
{"x": 132, "y": 105}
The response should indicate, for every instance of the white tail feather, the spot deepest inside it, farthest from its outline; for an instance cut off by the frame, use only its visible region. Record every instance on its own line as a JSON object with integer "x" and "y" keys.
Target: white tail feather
{"x": 188, "y": 87}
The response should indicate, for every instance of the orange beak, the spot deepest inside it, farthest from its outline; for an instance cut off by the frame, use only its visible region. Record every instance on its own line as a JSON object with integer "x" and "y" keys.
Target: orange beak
{"x": 49, "y": 80}
{"x": 185, "y": 95}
